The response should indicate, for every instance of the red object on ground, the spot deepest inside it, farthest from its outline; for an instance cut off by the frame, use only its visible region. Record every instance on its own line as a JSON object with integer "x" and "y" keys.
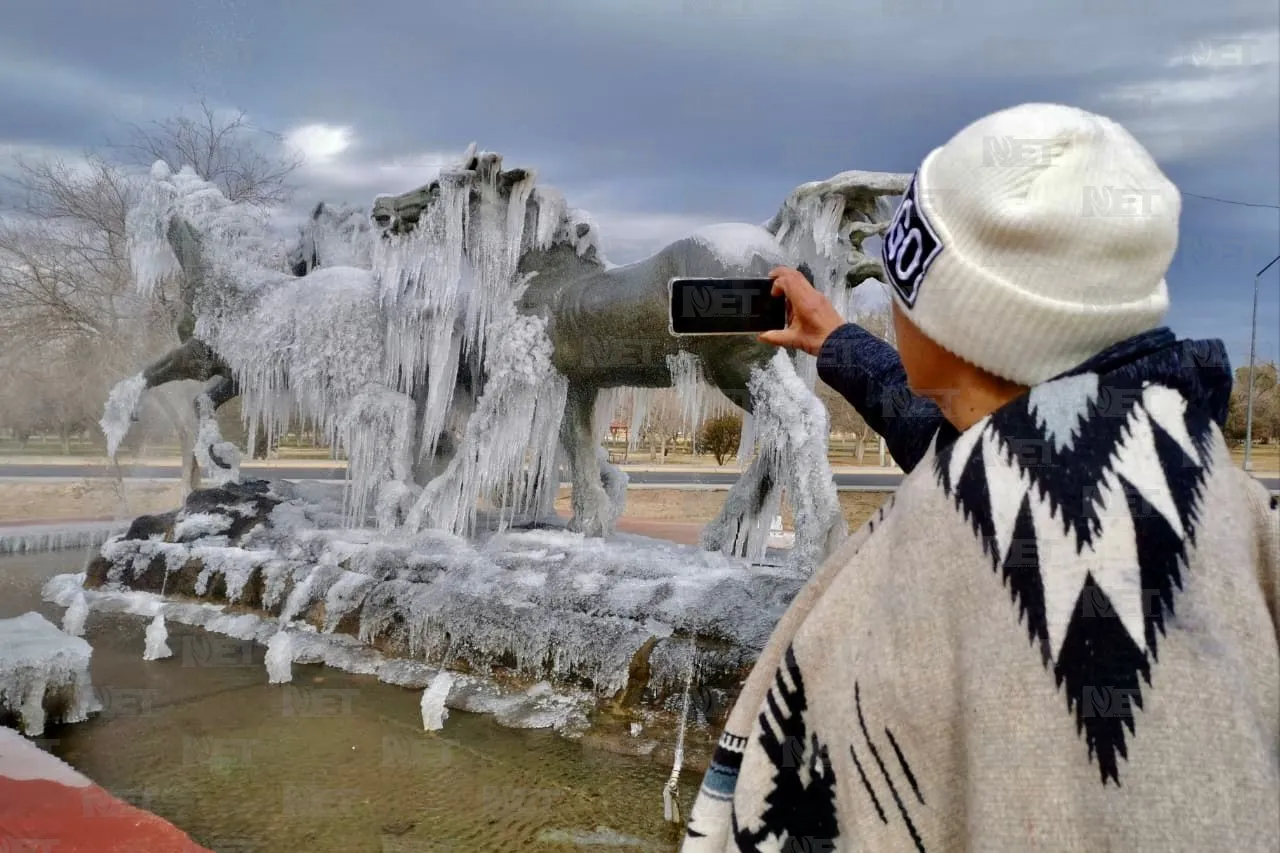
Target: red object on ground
{"x": 48, "y": 807}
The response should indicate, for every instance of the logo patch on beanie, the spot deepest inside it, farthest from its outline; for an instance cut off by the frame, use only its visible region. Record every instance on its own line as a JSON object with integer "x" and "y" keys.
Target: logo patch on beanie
{"x": 910, "y": 245}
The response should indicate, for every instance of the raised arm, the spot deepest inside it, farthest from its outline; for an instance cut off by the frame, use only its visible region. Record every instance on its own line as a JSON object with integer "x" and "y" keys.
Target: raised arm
{"x": 863, "y": 369}
{"x": 867, "y": 372}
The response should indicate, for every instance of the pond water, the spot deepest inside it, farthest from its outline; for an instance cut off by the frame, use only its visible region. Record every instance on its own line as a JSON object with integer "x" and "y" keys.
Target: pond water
{"x": 331, "y": 762}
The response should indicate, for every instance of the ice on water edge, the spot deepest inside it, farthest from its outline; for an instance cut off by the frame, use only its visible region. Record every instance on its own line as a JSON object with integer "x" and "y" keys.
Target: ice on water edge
{"x": 74, "y": 618}
{"x": 279, "y": 658}
{"x": 157, "y": 640}
{"x": 36, "y": 659}
{"x": 40, "y": 538}
{"x": 434, "y": 713}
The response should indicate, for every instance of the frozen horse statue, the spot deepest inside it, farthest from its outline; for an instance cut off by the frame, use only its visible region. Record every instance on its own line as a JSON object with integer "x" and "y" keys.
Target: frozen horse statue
{"x": 489, "y": 310}
{"x": 334, "y": 236}
{"x": 581, "y": 325}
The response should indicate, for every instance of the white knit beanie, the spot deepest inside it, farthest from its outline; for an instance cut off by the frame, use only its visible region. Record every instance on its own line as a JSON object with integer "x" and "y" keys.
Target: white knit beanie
{"x": 1034, "y": 239}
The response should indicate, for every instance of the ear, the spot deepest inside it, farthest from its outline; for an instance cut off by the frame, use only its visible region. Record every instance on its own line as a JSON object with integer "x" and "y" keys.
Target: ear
{"x": 315, "y": 214}
{"x": 508, "y": 179}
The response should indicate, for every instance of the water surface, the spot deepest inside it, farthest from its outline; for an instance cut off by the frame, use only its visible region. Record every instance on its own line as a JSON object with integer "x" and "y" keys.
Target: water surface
{"x": 333, "y": 761}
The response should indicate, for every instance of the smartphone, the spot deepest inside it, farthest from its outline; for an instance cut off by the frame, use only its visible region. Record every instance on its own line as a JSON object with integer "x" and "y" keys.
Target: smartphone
{"x": 725, "y": 306}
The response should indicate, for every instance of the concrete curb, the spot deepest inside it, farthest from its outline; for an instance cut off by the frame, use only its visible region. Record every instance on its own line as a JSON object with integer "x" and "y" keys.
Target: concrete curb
{"x": 45, "y": 804}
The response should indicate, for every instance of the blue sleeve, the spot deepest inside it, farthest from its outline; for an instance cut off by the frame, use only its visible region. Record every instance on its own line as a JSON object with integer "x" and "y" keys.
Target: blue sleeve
{"x": 867, "y": 372}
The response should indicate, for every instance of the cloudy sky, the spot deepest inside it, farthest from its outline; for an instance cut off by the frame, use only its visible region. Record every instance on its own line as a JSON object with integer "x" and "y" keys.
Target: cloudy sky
{"x": 661, "y": 115}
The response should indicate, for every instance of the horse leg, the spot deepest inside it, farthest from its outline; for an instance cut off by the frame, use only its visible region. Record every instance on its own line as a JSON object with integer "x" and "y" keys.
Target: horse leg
{"x": 742, "y": 526}
{"x": 592, "y": 508}
{"x": 790, "y": 425}
{"x": 192, "y": 360}
{"x": 224, "y": 456}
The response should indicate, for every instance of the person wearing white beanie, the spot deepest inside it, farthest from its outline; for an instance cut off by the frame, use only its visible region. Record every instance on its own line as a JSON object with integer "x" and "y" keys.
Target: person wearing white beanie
{"x": 1061, "y": 632}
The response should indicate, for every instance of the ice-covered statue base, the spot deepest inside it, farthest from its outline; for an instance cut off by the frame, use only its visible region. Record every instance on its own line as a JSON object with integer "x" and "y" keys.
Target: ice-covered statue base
{"x": 44, "y": 675}
{"x": 541, "y": 626}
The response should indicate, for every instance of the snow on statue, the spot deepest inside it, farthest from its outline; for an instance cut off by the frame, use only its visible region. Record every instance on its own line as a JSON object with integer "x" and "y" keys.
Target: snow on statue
{"x": 458, "y": 348}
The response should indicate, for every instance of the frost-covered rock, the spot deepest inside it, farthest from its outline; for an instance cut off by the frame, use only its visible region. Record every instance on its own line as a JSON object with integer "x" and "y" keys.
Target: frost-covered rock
{"x": 525, "y": 606}
{"x": 44, "y": 673}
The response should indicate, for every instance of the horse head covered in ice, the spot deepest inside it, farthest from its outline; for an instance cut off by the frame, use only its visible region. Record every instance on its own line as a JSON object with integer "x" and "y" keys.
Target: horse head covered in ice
{"x": 550, "y": 325}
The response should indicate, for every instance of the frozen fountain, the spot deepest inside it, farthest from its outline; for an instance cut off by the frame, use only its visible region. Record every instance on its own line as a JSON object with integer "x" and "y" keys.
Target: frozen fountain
{"x": 457, "y": 345}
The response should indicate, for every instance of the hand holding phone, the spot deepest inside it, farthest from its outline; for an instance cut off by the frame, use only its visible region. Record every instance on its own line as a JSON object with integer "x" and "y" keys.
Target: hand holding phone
{"x": 811, "y": 318}
{"x": 725, "y": 306}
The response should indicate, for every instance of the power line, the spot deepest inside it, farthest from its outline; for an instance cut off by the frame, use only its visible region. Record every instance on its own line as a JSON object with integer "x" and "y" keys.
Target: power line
{"x": 1229, "y": 201}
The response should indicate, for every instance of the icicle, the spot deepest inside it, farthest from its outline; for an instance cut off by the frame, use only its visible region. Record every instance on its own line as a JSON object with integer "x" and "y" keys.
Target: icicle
{"x": 641, "y": 399}
{"x": 147, "y": 231}
{"x": 746, "y": 440}
{"x": 690, "y": 389}
{"x": 792, "y": 424}
{"x": 279, "y": 658}
{"x": 608, "y": 401}
{"x": 551, "y": 212}
{"x": 73, "y": 620}
{"x": 518, "y": 415}
{"x": 377, "y": 432}
{"x": 434, "y": 712}
{"x": 117, "y": 415}
{"x": 157, "y": 646}
{"x": 34, "y": 541}
{"x": 671, "y": 793}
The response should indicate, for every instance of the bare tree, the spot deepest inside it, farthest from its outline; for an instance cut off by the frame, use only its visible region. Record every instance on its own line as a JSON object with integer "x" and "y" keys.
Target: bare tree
{"x": 71, "y": 319}
{"x": 249, "y": 164}
{"x": 663, "y": 423}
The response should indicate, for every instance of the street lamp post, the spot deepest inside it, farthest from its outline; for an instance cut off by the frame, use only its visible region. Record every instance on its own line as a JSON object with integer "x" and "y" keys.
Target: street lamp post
{"x": 1253, "y": 341}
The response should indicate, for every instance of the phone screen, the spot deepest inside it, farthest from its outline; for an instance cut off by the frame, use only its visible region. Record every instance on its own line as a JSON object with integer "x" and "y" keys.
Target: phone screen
{"x": 725, "y": 306}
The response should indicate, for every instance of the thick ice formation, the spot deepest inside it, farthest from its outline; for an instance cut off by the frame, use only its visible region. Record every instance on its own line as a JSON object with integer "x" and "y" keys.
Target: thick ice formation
{"x": 533, "y": 708}
{"x": 39, "y": 663}
{"x": 157, "y": 640}
{"x": 74, "y": 618}
{"x": 59, "y": 536}
{"x": 336, "y": 236}
{"x": 118, "y": 413}
{"x": 813, "y": 228}
{"x": 434, "y": 712}
{"x": 279, "y": 658}
{"x": 790, "y": 419}
{"x": 377, "y": 430}
{"x": 219, "y": 459}
{"x": 790, "y": 426}
{"x": 517, "y": 419}
{"x": 547, "y": 603}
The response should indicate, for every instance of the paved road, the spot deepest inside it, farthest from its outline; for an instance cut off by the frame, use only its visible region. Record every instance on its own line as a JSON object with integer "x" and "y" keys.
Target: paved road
{"x": 860, "y": 480}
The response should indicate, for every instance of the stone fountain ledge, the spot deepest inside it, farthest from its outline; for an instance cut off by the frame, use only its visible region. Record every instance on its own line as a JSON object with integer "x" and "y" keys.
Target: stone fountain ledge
{"x": 546, "y": 628}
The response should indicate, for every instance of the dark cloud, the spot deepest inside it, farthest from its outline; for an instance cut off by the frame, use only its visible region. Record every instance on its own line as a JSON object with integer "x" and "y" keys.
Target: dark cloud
{"x": 665, "y": 113}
